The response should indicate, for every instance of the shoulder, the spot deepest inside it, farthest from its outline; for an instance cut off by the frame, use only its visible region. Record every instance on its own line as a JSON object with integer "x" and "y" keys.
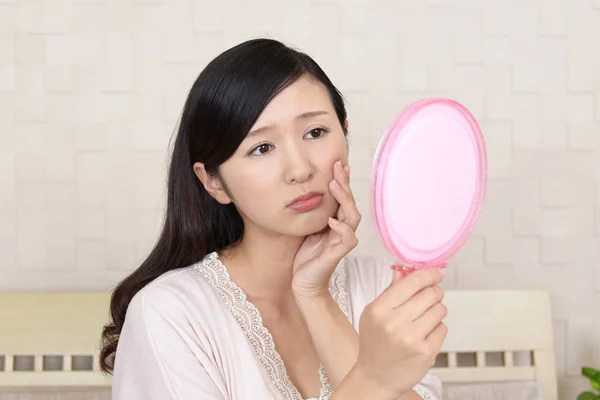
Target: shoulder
{"x": 160, "y": 297}
{"x": 168, "y": 336}
{"x": 174, "y": 298}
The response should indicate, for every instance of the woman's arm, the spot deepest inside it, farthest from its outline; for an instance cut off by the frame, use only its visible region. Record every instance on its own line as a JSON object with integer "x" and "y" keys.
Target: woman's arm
{"x": 333, "y": 335}
{"x": 355, "y": 386}
{"x": 336, "y": 342}
{"x": 335, "y": 339}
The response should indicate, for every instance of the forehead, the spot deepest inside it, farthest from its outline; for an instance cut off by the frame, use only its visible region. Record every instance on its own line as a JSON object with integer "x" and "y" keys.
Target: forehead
{"x": 304, "y": 95}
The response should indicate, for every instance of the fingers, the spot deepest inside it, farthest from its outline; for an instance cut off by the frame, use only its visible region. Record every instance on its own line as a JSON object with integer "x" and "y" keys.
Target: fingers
{"x": 347, "y": 212}
{"x": 401, "y": 291}
{"x": 345, "y": 241}
{"x": 427, "y": 322}
{"x": 422, "y": 301}
{"x": 345, "y": 232}
{"x": 342, "y": 175}
{"x": 340, "y": 188}
{"x": 436, "y": 338}
{"x": 400, "y": 271}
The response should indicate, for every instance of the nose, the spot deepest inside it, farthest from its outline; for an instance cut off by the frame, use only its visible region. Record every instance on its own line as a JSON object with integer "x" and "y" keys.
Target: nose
{"x": 298, "y": 166}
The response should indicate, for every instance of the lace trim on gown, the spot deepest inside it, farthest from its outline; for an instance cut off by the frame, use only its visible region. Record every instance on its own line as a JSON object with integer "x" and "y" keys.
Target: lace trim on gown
{"x": 214, "y": 272}
{"x": 424, "y": 393}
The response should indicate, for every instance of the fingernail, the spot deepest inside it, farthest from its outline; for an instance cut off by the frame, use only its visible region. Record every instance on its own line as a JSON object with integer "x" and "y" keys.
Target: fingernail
{"x": 334, "y": 221}
{"x": 336, "y": 184}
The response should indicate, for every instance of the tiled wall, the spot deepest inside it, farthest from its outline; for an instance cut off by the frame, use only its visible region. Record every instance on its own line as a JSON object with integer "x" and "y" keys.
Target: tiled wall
{"x": 90, "y": 91}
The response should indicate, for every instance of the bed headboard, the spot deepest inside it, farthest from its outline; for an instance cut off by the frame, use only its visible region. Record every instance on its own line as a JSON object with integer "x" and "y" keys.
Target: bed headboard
{"x": 52, "y": 339}
{"x": 62, "y": 331}
{"x": 489, "y": 332}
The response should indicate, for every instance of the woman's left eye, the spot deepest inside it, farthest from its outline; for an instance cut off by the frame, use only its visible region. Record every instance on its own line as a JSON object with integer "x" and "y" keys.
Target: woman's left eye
{"x": 317, "y": 133}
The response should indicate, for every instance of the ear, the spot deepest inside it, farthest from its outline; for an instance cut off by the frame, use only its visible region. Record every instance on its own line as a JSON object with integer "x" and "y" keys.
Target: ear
{"x": 346, "y": 125}
{"x": 212, "y": 184}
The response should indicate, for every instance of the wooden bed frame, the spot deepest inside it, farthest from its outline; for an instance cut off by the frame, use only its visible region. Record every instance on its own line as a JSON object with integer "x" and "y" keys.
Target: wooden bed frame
{"x": 44, "y": 324}
{"x": 483, "y": 323}
{"x": 67, "y": 326}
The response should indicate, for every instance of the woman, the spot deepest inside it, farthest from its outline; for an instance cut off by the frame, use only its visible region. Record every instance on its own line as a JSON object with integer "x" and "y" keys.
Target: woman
{"x": 250, "y": 292}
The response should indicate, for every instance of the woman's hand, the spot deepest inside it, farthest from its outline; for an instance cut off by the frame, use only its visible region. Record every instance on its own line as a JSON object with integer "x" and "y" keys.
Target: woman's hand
{"x": 401, "y": 333}
{"x": 321, "y": 252}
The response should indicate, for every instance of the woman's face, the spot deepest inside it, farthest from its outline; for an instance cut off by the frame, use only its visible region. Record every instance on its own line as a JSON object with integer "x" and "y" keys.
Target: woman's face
{"x": 290, "y": 151}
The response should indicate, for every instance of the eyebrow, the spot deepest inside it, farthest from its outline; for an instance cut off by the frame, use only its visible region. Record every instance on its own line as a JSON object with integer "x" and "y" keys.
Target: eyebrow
{"x": 302, "y": 116}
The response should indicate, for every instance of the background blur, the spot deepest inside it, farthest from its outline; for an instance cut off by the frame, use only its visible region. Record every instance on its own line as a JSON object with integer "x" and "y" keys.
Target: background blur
{"x": 91, "y": 90}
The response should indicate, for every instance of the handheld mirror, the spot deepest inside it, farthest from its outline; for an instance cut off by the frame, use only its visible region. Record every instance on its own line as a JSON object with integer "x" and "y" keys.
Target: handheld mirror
{"x": 428, "y": 182}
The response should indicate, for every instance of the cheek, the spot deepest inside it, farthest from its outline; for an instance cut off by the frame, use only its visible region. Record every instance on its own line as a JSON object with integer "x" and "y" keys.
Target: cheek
{"x": 247, "y": 184}
{"x": 339, "y": 151}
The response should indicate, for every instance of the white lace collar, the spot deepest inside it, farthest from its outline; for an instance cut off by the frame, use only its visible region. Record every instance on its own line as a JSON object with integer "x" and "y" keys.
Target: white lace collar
{"x": 248, "y": 317}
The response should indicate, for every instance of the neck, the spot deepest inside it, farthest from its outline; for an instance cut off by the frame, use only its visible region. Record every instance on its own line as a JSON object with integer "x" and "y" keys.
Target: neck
{"x": 262, "y": 265}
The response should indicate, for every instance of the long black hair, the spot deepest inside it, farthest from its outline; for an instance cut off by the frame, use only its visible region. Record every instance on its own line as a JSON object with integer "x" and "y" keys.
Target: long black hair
{"x": 222, "y": 106}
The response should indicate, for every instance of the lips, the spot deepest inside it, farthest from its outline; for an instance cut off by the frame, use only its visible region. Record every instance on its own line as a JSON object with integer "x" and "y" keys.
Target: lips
{"x": 306, "y": 202}
{"x": 306, "y": 196}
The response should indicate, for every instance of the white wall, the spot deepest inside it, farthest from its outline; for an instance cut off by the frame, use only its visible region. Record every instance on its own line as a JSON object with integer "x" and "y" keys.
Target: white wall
{"x": 90, "y": 92}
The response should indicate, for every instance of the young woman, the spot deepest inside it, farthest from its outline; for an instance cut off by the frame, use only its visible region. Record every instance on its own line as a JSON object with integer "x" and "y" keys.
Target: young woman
{"x": 250, "y": 292}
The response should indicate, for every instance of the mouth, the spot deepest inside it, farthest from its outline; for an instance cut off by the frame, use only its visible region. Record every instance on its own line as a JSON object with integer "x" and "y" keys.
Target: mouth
{"x": 306, "y": 202}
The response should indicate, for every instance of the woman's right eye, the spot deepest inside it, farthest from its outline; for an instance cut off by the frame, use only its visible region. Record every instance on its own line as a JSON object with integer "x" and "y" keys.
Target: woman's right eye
{"x": 260, "y": 149}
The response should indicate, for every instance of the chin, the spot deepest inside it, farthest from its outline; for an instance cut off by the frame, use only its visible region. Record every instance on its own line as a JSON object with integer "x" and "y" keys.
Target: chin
{"x": 313, "y": 221}
{"x": 314, "y": 224}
